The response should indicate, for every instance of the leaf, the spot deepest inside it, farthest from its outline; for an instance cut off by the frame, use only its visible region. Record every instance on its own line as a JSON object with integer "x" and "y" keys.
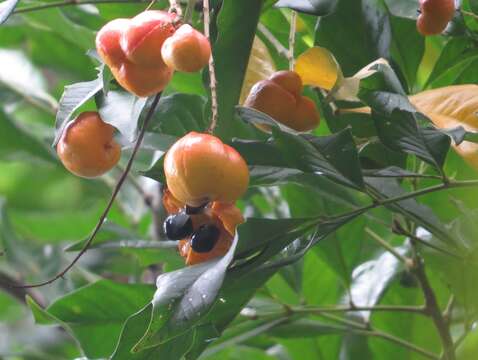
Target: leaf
{"x": 19, "y": 75}
{"x": 132, "y": 331}
{"x": 6, "y": 9}
{"x": 396, "y": 119}
{"x": 183, "y": 297}
{"x": 334, "y": 156}
{"x": 231, "y": 51}
{"x": 312, "y": 7}
{"x": 367, "y": 32}
{"x": 122, "y": 110}
{"x": 451, "y": 107}
{"x": 178, "y": 114}
{"x": 318, "y": 67}
{"x": 411, "y": 209}
{"x": 73, "y": 97}
{"x": 95, "y": 313}
{"x": 260, "y": 67}
{"x": 17, "y": 144}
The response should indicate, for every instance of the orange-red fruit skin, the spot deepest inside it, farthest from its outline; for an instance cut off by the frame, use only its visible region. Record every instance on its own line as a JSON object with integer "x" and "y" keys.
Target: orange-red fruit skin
{"x": 132, "y": 50}
{"x": 142, "y": 40}
{"x": 187, "y": 50}
{"x": 200, "y": 168}
{"x": 435, "y": 16}
{"x": 87, "y": 147}
{"x": 280, "y": 98}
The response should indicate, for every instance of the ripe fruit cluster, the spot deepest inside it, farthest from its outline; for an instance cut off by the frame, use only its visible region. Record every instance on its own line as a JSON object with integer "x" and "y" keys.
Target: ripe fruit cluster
{"x": 204, "y": 179}
{"x": 281, "y": 98}
{"x": 87, "y": 147}
{"x": 434, "y": 16}
{"x": 144, "y": 51}
{"x": 204, "y": 232}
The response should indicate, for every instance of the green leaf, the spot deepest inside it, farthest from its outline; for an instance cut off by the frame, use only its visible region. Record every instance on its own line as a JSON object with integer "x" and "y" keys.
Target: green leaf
{"x": 17, "y": 144}
{"x": 73, "y": 97}
{"x": 95, "y": 313}
{"x": 231, "y": 51}
{"x": 396, "y": 120}
{"x": 312, "y": 7}
{"x": 122, "y": 110}
{"x": 179, "y": 114}
{"x": 367, "y": 34}
{"x": 20, "y": 76}
{"x": 184, "y": 297}
{"x": 411, "y": 209}
{"x": 6, "y": 8}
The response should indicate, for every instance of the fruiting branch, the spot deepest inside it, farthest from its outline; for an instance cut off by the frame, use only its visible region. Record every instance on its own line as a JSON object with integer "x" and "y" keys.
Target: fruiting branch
{"x": 103, "y": 216}
{"x": 293, "y": 20}
{"x": 212, "y": 72}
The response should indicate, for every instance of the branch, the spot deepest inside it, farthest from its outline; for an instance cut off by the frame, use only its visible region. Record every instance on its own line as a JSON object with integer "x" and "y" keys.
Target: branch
{"x": 103, "y": 216}
{"x": 18, "y": 292}
{"x": 71, "y": 3}
{"x": 349, "y": 308}
{"x": 290, "y": 55}
{"x": 281, "y": 49}
{"x": 433, "y": 309}
{"x": 212, "y": 72}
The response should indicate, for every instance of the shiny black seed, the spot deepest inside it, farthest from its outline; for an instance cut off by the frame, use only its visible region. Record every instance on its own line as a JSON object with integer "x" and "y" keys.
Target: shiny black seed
{"x": 190, "y": 210}
{"x": 178, "y": 226}
{"x": 204, "y": 239}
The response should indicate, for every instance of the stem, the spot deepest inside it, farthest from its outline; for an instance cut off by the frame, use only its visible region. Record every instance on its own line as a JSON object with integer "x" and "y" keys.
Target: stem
{"x": 71, "y": 3}
{"x": 388, "y": 247}
{"x": 347, "y": 308}
{"x": 212, "y": 72}
{"x": 103, "y": 216}
{"x": 433, "y": 309}
{"x": 174, "y": 6}
{"x": 281, "y": 49}
{"x": 18, "y": 292}
{"x": 188, "y": 14}
{"x": 469, "y": 13}
{"x": 293, "y": 20}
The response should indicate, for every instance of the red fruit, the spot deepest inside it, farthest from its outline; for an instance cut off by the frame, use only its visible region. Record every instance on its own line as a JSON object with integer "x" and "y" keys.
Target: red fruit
{"x": 435, "y": 16}
{"x": 143, "y": 39}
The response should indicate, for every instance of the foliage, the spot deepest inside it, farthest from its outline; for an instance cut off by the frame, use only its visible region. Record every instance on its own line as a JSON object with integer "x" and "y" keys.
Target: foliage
{"x": 360, "y": 239}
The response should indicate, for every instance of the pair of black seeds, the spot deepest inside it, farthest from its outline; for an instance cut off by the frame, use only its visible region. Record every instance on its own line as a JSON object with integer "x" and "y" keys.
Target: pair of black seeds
{"x": 179, "y": 226}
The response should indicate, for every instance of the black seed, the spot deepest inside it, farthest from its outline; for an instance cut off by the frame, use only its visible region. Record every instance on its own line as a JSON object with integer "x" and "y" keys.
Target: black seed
{"x": 204, "y": 239}
{"x": 190, "y": 210}
{"x": 178, "y": 226}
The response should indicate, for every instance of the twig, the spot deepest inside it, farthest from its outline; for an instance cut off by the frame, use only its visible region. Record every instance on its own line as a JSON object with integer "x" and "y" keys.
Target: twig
{"x": 281, "y": 49}
{"x": 469, "y": 13}
{"x": 212, "y": 72}
{"x": 174, "y": 6}
{"x": 18, "y": 292}
{"x": 406, "y": 261}
{"x": 433, "y": 309}
{"x": 188, "y": 14}
{"x": 108, "y": 206}
{"x": 348, "y": 308}
{"x": 70, "y": 3}
{"x": 293, "y": 20}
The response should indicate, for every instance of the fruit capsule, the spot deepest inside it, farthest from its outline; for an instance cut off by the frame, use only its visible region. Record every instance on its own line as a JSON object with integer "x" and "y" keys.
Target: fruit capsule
{"x": 214, "y": 228}
{"x": 435, "y": 16}
{"x": 200, "y": 168}
{"x": 87, "y": 147}
{"x": 187, "y": 50}
{"x": 280, "y": 98}
{"x": 143, "y": 39}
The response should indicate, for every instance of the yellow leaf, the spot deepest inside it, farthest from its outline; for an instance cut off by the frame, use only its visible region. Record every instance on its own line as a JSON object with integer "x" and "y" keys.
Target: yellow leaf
{"x": 449, "y": 107}
{"x": 318, "y": 67}
{"x": 260, "y": 67}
